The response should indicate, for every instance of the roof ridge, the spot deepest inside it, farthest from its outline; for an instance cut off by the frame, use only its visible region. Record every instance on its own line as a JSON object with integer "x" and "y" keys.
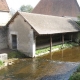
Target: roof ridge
{"x": 69, "y": 18}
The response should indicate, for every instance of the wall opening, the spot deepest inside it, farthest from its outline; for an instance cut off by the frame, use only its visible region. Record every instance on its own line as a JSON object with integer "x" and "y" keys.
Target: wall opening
{"x": 14, "y": 41}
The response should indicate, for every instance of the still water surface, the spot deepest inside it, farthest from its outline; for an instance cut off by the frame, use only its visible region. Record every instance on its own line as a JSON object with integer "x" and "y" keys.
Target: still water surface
{"x": 45, "y": 67}
{"x": 69, "y": 55}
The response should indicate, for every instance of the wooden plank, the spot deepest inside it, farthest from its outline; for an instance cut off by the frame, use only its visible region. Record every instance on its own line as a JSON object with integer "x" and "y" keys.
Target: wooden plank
{"x": 71, "y": 37}
{"x": 50, "y": 43}
{"x": 62, "y": 39}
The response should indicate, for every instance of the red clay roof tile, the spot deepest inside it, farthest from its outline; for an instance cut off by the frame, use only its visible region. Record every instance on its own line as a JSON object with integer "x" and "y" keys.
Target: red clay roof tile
{"x": 3, "y": 5}
{"x": 58, "y": 8}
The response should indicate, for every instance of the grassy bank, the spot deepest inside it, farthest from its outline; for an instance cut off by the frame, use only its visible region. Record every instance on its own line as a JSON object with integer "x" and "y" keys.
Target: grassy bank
{"x": 56, "y": 47}
{"x": 76, "y": 75}
{"x": 1, "y": 64}
{"x": 16, "y": 54}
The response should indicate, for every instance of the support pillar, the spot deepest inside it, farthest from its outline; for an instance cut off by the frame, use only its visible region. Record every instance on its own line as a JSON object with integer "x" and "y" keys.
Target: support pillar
{"x": 50, "y": 43}
{"x": 71, "y": 37}
{"x": 62, "y": 39}
{"x": 34, "y": 46}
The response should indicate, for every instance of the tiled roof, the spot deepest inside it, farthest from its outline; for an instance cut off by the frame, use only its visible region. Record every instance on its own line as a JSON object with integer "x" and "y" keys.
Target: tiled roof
{"x": 58, "y": 8}
{"x": 3, "y": 6}
{"x": 45, "y": 24}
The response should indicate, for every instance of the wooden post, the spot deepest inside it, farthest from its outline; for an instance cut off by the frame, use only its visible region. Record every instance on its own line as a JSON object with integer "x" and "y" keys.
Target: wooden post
{"x": 71, "y": 37}
{"x": 50, "y": 43}
{"x": 63, "y": 38}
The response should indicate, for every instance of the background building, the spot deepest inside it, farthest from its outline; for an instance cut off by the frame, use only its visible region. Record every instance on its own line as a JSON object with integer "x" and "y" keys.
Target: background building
{"x": 4, "y": 18}
{"x": 63, "y": 8}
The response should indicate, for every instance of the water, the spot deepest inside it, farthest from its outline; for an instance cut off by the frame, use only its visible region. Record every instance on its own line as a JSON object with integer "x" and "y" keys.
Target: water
{"x": 67, "y": 55}
{"x": 56, "y": 66}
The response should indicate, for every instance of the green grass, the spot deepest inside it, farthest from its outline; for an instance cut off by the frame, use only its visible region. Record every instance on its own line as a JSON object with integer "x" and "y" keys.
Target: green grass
{"x": 76, "y": 75}
{"x": 42, "y": 50}
{"x": 1, "y": 63}
{"x": 16, "y": 54}
{"x": 65, "y": 45}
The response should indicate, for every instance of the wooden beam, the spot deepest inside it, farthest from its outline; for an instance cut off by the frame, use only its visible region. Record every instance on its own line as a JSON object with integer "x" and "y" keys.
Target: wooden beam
{"x": 62, "y": 38}
{"x": 50, "y": 43}
{"x": 71, "y": 37}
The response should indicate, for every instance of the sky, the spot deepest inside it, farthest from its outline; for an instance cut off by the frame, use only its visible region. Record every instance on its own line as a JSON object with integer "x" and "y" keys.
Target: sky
{"x": 16, "y": 4}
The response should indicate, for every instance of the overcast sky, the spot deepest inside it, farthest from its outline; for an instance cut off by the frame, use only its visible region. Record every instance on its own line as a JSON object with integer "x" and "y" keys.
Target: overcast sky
{"x": 15, "y": 4}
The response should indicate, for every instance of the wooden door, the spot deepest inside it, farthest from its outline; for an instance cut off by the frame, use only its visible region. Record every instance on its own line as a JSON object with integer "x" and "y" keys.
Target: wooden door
{"x": 14, "y": 42}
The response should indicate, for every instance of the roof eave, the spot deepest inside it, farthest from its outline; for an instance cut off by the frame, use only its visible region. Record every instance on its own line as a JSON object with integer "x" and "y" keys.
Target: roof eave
{"x": 17, "y": 13}
{"x": 29, "y": 24}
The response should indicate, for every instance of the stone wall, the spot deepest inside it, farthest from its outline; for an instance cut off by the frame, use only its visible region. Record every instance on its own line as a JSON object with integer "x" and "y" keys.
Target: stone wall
{"x": 3, "y": 38}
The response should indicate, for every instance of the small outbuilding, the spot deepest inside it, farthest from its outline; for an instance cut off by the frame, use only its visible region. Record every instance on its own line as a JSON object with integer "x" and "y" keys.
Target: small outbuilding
{"x": 28, "y": 30}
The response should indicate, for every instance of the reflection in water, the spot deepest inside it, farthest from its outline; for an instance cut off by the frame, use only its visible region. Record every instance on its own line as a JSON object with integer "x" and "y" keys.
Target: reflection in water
{"x": 69, "y": 55}
{"x": 47, "y": 65}
{"x": 62, "y": 54}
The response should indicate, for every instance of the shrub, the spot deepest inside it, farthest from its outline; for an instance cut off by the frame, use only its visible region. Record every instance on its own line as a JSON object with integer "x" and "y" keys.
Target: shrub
{"x": 1, "y": 63}
{"x": 75, "y": 76}
{"x": 78, "y": 70}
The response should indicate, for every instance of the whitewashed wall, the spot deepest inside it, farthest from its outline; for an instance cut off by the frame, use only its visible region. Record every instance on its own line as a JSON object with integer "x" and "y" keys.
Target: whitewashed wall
{"x": 25, "y": 36}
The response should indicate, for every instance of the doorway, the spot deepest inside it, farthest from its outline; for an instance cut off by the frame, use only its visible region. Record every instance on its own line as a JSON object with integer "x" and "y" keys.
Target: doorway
{"x": 14, "y": 41}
